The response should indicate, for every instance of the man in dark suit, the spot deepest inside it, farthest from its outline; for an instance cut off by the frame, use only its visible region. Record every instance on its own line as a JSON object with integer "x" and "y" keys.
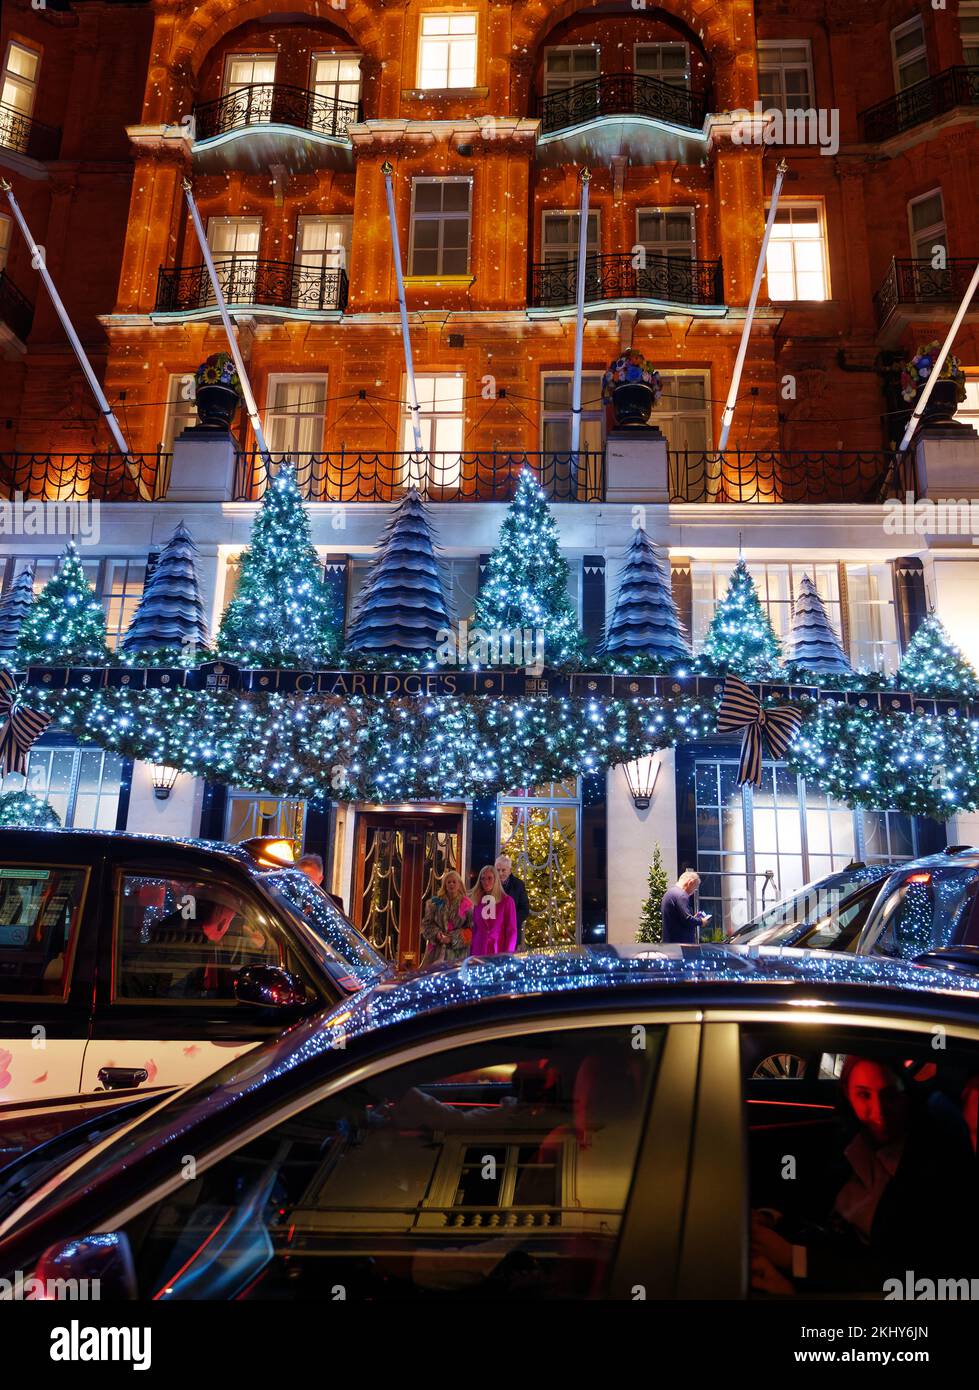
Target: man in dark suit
{"x": 515, "y": 888}
{"x": 681, "y": 925}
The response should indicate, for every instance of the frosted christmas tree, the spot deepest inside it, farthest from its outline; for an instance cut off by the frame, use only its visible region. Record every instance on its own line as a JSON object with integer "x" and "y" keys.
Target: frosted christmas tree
{"x": 14, "y": 607}
{"x": 934, "y": 665}
{"x": 741, "y": 638}
{"x": 170, "y": 612}
{"x": 402, "y": 606}
{"x": 812, "y": 643}
{"x": 65, "y": 624}
{"x": 644, "y": 621}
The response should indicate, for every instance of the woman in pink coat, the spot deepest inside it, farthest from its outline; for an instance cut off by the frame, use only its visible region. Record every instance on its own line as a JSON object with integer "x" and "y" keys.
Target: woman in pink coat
{"x": 494, "y": 916}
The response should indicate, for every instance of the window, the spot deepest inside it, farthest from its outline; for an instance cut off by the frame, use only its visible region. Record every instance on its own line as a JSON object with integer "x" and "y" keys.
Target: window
{"x": 84, "y": 785}
{"x": 797, "y": 264}
{"x": 560, "y": 236}
{"x": 337, "y": 79}
{"x": 186, "y": 939}
{"x": 6, "y": 225}
{"x": 668, "y": 62}
{"x": 777, "y": 584}
{"x": 968, "y": 411}
{"x": 785, "y": 75}
{"x": 323, "y": 243}
{"x": 683, "y": 411}
{"x": 440, "y": 218}
{"x": 498, "y": 1170}
{"x": 295, "y": 414}
{"x": 563, "y": 477}
{"x": 39, "y": 913}
{"x": 447, "y": 51}
{"x": 926, "y": 225}
{"x": 871, "y": 618}
{"x": 120, "y": 587}
{"x": 234, "y": 243}
{"x": 909, "y": 54}
{"x": 249, "y": 817}
{"x": 17, "y": 95}
{"x": 887, "y": 836}
{"x": 442, "y": 410}
{"x": 539, "y": 830}
{"x": 252, "y": 76}
{"x": 181, "y": 412}
{"x": 567, "y": 67}
{"x": 667, "y": 232}
{"x": 969, "y": 29}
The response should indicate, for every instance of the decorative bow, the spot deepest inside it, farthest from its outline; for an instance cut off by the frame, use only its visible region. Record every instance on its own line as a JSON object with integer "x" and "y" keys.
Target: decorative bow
{"x": 740, "y": 708}
{"x": 21, "y": 727}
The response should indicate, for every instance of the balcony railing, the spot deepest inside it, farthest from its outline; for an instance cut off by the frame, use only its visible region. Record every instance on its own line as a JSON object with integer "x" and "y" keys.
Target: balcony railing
{"x": 918, "y": 282}
{"x": 25, "y": 135}
{"x": 275, "y": 104}
{"x": 106, "y": 477}
{"x": 483, "y": 475}
{"x": 622, "y": 94}
{"x": 16, "y": 310}
{"x": 245, "y": 280}
{"x": 795, "y": 475}
{"x": 669, "y": 279}
{"x": 926, "y": 99}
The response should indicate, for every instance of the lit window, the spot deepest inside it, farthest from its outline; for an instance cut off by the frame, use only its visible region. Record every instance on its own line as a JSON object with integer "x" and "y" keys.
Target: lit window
{"x": 120, "y": 588}
{"x": 683, "y": 411}
{"x": 777, "y": 584}
{"x": 337, "y": 78}
{"x": 181, "y": 412}
{"x": 796, "y": 263}
{"x": 295, "y": 415}
{"x": 909, "y": 54}
{"x": 83, "y": 785}
{"x": 871, "y": 617}
{"x": 785, "y": 75}
{"x": 441, "y": 406}
{"x": 17, "y": 94}
{"x": 447, "y": 51}
{"x": 440, "y": 218}
{"x": 5, "y": 228}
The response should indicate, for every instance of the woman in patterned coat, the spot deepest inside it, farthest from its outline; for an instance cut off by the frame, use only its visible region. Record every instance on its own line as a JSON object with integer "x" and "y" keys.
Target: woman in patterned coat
{"x": 447, "y": 926}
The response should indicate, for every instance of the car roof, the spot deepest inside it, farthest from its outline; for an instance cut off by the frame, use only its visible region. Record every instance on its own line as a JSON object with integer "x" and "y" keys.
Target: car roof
{"x": 966, "y": 856}
{"x": 218, "y": 847}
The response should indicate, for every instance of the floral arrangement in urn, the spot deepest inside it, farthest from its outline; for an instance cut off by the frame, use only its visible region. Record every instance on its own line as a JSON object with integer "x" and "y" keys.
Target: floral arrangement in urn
{"x": 915, "y": 373}
{"x": 218, "y": 370}
{"x": 632, "y": 386}
{"x": 219, "y": 392}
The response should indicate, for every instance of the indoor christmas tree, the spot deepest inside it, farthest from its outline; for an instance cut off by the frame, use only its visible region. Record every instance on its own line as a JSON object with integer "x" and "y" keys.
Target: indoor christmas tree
{"x": 283, "y": 613}
{"x": 525, "y": 585}
{"x": 65, "y": 624}
{"x": 934, "y": 665}
{"x": 402, "y": 606}
{"x": 644, "y": 621}
{"x": 545, "y": 860}
{"x": 14, "y": 607}
{"x": 740, "y": 637}
{"x": 651, "y": 917}
{"x": 170, "y": 612}
{"x": 813, "y": 644}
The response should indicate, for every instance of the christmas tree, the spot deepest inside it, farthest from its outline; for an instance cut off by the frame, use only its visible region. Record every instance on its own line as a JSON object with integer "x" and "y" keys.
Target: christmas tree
{"x": 283, "y": 613}
{"x": 65, "y": 624}
{"x": 812, "y": 642}
{"x": 545, "y": 860}
{"x": 934, "y": 665}
{"x": 170, "y": 612}
{"x": 651, "y": 917}
{"x": 402, "y": 606}
{"x": 14, "y": 608}
{"x": 740, "y": 637}
{"x": 526, "y": 581}
{"x": 644, "y": 619}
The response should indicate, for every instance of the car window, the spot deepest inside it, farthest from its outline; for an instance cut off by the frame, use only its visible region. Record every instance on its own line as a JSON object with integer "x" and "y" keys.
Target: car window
{"x": 854, "y": 1135}
{"x": 839, "y": 931}
{"x": 921, "y": 911}
{"x": 346, "y": 954}
{"x": 187, "y": 939}
{"x": 40, "y": 909}
{"x": 499, "y": 1169}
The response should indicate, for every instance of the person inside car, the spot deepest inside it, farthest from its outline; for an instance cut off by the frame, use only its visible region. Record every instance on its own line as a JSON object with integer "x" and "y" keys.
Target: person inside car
{"x": 904, "y": 1150}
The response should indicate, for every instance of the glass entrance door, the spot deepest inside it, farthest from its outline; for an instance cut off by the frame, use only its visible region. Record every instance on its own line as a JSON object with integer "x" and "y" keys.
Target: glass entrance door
{"x": 399, "y": 864}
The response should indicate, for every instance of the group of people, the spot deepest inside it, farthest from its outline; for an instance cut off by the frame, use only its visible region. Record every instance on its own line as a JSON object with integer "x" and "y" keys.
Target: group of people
{"x": 486, "y": 920}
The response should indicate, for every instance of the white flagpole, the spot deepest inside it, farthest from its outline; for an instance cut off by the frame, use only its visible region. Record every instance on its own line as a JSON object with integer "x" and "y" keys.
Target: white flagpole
{"x": 732, "y": 395}
{"x": 940, "y": 361}
{"x": 416, "y": 424}
{"x": 251, "y": 405}
{"x": 37, "y": 261}
{"x": 579, "y": 327}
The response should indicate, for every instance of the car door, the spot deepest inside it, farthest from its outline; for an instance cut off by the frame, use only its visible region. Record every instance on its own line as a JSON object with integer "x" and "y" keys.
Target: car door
{"x": 49, "y": 893}
{"x": 176, "y": 928}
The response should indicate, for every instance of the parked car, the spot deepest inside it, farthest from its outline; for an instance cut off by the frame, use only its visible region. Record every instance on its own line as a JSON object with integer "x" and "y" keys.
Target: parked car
{"x": 827, "y": 915}
{"x": 584, "y": 1124}
{"x": 130, "y": 960}
{"x": 928, "y": 910}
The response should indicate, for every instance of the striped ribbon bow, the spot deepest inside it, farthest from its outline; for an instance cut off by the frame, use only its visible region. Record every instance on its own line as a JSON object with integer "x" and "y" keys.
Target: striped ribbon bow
{"x": 21, "y": 727}
{"x": 740, "y": 708}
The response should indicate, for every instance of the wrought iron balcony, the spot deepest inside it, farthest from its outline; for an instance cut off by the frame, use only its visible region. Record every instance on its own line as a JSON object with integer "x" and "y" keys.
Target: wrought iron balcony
{"x": 480, "y": 475}
{"x": 784, "y": 476}
{"x": 247, "y": 281}
{"x": 923, "y": 102}
{"x": 622, "y": 94}
{"x": 275, "y": 104}
{"x": 667, "y": 279}
{"x": 25, "y": 135}
{"x": 919, "y": 283}
{"x": 106, "y": 477}
{"x": 16, "y": 310}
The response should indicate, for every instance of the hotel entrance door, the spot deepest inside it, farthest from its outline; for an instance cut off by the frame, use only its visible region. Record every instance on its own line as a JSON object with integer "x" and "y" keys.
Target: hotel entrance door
{"x": 399, "y": 861}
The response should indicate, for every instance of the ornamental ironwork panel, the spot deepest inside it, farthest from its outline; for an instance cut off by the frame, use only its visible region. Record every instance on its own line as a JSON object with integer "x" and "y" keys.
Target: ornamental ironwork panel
{"x": 622, "y": 94}
{"x": 273, "y": 103}
{"x": 918, "y": 282}
{"x": 107, "y": 476}
{"x": 26, "y": 135}
{"x": 794, "y": 475}
{"x": 931, "y": 97}
{"x": 669, "y": 279}
{"x": 16, "y": 310}
{"x": 246, "y": 280}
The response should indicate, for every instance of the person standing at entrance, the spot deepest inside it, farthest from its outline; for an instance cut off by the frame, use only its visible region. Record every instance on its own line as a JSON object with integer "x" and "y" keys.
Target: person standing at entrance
{"x": 447, "y": 926}
{"x": 515, "y": 888}
{"x": 681, "y": 925}
{"x": 494, "y": 916}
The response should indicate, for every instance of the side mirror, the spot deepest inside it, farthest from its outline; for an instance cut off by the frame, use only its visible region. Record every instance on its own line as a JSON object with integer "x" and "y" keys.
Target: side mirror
{"x": 271, "y": 987}
{"x": 95, "y": 1267}
{"x": 962, "y": 960}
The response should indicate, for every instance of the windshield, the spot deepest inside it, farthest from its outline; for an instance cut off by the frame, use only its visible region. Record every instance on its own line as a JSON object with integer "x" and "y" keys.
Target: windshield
{"x": 818, "y": 902}
{"x": 919, "y": 911}
{"x": 348, "y": 957}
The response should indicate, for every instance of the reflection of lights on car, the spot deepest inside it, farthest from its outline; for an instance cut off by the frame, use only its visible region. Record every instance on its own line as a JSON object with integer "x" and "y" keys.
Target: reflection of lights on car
{"x": 807, "y": 1003}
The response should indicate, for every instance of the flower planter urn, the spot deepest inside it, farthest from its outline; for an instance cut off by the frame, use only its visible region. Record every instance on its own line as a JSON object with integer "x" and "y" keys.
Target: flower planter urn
{"x": 942, "y": 404}
{"x": 217, "y": 406}
{"x": 632, "y": 403}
